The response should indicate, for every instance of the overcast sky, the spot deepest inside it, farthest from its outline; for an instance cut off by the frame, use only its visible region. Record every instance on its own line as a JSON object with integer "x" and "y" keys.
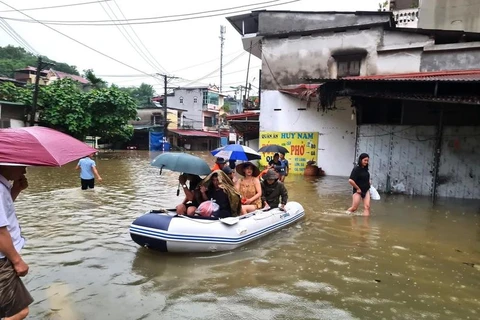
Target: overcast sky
{"x": 189, "y": 49}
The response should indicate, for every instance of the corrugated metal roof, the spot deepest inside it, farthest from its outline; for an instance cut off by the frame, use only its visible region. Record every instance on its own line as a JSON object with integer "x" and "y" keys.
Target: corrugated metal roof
{"x": 453, "y": 75}
{"x": 195, "y": 133}
{"x": 447, "y": 76}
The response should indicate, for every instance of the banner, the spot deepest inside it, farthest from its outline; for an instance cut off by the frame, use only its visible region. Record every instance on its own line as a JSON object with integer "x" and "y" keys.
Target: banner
{"x": 301, "y": 146}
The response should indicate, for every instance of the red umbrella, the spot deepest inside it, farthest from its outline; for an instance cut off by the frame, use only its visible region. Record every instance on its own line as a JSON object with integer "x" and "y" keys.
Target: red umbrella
{"x": 40, "y": 146}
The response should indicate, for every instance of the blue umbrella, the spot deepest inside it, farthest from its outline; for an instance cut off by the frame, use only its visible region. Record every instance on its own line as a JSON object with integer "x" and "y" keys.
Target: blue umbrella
{"x": 236, "y": 152}
{"x": 181, "y": 162}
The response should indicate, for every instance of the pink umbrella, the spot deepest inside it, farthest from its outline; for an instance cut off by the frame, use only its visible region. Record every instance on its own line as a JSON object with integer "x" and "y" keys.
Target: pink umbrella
{"x": 40, "y": 146}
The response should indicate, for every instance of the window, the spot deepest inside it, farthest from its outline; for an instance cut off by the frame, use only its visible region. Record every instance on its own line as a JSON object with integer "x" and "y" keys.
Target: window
{"x": 208, "y": 121}
{"x": 157, "y": 119}
{"x": 348, "y": 65}
{"x": 181, "y": 99}
{"x": 205, "y": 98}
{"x": 210, "y": 98}
{"x": 195, "y": 100}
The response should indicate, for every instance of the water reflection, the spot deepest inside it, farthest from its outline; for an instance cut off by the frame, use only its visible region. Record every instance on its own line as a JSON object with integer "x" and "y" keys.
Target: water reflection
{"x": 408, "y": 260}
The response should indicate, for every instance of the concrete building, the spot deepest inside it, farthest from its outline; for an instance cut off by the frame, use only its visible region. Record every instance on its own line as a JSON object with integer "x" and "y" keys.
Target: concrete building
{"x": 298, "y": 47}
{"x": 459, "y": 15}
{"x": 201, "y": 104}
{"x": 47, "y": 77}
{"x": 12, "y": 114}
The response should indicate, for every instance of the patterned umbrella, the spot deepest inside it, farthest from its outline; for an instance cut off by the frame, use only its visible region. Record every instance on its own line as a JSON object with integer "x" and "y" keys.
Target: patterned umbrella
{"x": 236, "y": 152}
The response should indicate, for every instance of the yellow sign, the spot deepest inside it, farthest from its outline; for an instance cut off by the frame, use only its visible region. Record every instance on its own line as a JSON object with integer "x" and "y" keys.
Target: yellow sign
{"x": 301, "y": 146}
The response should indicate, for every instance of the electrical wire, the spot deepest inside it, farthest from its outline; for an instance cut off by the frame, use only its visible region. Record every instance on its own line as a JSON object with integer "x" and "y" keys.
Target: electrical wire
{"x": 206, "y": 62}
{"x": 128, "y": 37}
{"x": 79, "y": 42}
{"x": 16, "y": 37}
{"x": 140, "y": 40}
{"x": 141, "y": 20}
{"x": 58, "y": 6}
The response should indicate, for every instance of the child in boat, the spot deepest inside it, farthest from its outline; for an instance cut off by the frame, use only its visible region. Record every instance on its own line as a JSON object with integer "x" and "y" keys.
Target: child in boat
{"x": 274, "y": 193}
{"x": 190, "y": 202}
{"x": 219, "y": 187}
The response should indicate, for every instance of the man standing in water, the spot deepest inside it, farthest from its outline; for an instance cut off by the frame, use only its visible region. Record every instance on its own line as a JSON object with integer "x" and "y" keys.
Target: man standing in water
{"x": 14, "y": 297}
{"x": 88, "y": 172}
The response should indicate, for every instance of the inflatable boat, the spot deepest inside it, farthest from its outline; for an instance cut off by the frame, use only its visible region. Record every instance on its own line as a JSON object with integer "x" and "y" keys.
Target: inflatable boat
{"x": 167, "y": 232}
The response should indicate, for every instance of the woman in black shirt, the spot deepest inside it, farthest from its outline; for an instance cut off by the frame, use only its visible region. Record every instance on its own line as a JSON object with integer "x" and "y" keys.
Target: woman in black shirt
{"x": 360, "y": 181}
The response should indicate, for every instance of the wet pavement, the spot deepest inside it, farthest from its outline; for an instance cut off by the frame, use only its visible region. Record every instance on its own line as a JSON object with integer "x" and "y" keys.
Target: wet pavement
{"x": 409, "y": 260}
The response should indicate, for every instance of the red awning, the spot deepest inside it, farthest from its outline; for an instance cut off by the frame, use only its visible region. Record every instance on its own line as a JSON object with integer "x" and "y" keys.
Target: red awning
{"x": 301, "y": 91}
{"x": 195, "y": 133}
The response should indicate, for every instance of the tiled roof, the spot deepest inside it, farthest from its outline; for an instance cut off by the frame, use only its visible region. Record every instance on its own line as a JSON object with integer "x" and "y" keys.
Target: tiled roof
{"x": 245, "y": 115}
{"x": 63, "y": 75}
{"x": 195, "y": 133}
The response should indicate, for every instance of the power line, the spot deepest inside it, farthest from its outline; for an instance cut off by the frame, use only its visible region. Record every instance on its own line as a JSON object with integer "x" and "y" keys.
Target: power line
{"x": 16, "y": 37}
{"x": 58, "y": 6}
{"x": 77, "y": 41}
{"x": 127, "y": 37}
{"x": 140, "y": 40}
{"x": 142, "y": 20}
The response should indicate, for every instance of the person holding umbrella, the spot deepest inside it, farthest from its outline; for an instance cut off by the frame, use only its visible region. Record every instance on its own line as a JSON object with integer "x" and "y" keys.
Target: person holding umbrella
{"x": 285, "y": 166}
{"x": 191, "y": 201}
{"x": 14, "y": 297}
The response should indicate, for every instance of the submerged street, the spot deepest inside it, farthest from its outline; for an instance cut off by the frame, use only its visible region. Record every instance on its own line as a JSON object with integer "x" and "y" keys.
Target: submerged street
{"x": 409, "y": 260}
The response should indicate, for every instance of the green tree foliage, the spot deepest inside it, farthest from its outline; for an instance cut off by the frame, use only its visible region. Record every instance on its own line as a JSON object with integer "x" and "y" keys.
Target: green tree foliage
{"x": 12, "y": 93}
{"x": 63, "y": 107}
{"x": 95, "y": 82}
{"x": 142, "y": 95}
{"x": 112, "y": 109}
{"x": 13, "y": 58}
{"x": 99, "y": 112}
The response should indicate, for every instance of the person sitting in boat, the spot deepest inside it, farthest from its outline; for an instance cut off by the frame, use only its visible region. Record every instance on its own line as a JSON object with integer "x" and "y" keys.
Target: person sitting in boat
{"x": 190, "y": 202}
{"x": 219, "y": 187}
{"x": 249, "y": 187}
{"x": 229, "y": 172}
{"x": 274, "y": 193}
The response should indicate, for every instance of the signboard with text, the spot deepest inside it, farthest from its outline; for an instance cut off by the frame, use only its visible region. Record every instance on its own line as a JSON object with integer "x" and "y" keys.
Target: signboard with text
{"x": 302, "y": 147}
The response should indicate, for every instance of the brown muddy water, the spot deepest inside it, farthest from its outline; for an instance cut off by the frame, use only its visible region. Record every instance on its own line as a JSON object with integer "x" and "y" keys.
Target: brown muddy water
{"x": 409, "y": 260}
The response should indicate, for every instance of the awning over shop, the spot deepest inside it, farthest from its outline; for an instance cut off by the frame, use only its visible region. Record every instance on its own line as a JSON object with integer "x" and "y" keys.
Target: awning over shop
{"x": 249, "y": 129}
{"x": 301, "y": 91}
{"x": 195, "y": 133}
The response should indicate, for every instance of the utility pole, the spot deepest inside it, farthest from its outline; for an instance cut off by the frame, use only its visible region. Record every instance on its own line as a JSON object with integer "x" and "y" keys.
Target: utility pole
{"x": 40, "y": 66}
{"x": 248, "y": 71}
{"x": 223, "y": 30}
{"x": 165, "y": 83}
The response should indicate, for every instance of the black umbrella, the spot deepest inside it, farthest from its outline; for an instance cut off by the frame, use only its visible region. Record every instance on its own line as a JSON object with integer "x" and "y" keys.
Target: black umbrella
{"x": 273, "y": 148}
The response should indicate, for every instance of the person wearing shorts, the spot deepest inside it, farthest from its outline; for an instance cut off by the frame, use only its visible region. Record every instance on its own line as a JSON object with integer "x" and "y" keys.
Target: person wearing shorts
{"x": 14, "y": 297}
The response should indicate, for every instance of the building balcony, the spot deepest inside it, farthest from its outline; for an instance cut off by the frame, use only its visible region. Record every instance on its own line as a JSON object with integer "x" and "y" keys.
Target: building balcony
{"x": 211, "y": 107}
{"x": 407, "y": 18}
{"x": 211, "y": 128}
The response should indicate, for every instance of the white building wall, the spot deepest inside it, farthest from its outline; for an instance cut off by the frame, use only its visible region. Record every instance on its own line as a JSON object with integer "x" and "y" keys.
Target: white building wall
{"x": 336, "y": 142}
{"x": 193, "y": 115}
{"x": 399, "y": 61}
{"x": 290, "y": 60}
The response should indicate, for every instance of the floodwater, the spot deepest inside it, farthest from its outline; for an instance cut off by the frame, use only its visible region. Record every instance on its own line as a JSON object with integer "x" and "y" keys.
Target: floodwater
{"x": 409, "y": 260}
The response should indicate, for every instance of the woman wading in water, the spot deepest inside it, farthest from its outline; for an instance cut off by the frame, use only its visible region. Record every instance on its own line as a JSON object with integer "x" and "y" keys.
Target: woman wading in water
{"x": 360, "y": 181}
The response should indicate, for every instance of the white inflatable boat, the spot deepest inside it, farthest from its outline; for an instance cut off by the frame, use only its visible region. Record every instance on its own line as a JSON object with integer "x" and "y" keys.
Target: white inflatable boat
{"x": 168, "y": 232}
